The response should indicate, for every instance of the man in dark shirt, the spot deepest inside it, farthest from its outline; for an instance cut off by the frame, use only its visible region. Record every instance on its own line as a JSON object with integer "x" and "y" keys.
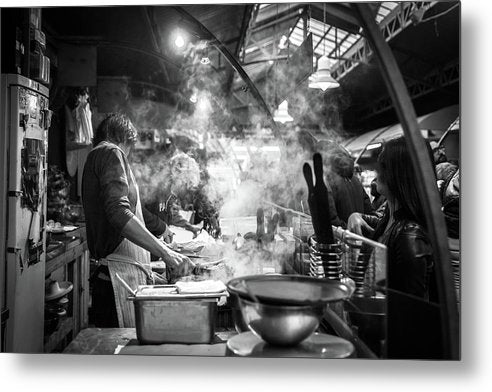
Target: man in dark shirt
{"x": 348, "y": 193}
{"x": 115, "y": 223}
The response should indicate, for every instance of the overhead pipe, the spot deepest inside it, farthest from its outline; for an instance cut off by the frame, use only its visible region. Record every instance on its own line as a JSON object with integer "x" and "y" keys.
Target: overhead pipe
{"x": 204, "y": 33}
{"x": 426, "y": 187}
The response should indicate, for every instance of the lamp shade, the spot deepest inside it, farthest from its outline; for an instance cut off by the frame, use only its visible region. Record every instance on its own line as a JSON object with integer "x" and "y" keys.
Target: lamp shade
{"x": 282, "y": 115}
{"x": 322, "y": 78}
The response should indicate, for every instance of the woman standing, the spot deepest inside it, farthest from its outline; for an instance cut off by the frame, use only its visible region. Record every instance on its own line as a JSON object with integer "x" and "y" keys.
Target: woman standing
{"x": 410, "y": 282}
{"x": 116, "y": 234}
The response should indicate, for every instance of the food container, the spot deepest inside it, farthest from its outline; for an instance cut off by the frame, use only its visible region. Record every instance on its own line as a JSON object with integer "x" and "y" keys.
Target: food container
{"x": 164, "y": 316}
{"x": 283, "y": 309}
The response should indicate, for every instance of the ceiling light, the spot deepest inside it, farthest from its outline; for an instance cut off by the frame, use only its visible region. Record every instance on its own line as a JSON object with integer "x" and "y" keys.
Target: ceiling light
{"x": 322, "y": 78}
{"x": 283, "y": 42}
{"x": 205, "y": 60}
{"x": 179, "y": 41}
{"x": 373, "y": 146}
{"x": 193, "y": 98}
{"x": 282, "y": 115}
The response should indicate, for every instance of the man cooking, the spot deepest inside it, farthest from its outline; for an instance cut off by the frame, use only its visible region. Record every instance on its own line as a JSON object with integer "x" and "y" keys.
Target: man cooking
{"x": 116, "y": 233}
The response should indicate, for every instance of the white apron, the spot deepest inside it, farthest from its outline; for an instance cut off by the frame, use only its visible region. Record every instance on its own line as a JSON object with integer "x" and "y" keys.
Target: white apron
{"x": 122, "y": 262}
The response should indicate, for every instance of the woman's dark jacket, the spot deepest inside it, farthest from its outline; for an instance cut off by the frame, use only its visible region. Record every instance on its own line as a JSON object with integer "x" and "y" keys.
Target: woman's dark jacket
{"x": 413, "y": 316}
{"x": 409, "y": 257}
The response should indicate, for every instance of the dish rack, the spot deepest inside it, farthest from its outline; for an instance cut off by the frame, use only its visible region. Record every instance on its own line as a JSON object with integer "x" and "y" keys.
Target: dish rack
{"x": 352, "y": 256}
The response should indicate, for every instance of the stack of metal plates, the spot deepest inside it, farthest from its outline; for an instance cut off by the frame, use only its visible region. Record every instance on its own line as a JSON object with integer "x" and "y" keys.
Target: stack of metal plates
{"x": 357, "y": 267}
{"x": 326, "y": 263}
{"x": 455, "y": 264}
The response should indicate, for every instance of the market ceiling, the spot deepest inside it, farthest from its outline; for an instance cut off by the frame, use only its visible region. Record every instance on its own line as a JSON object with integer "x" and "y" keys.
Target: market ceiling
{"x": 140, "y": 42}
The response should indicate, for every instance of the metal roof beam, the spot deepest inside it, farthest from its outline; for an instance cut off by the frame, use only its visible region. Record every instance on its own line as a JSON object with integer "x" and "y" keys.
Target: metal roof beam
{"x": 248, "y": 13}
{"x": 148, "y": 15}
{"x": 336, "y": 15}
{"x": 396, "y": 21}
{"x": 322, "y": 38}
{"x": 437, "y": 80}
{"x": 273, "y": 12}
{"x": 269, "y": 33}
{"x": 413, "y": 55}
{"x": 287, "y": 16}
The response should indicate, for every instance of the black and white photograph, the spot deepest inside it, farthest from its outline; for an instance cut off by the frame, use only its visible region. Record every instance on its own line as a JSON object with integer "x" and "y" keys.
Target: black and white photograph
{"x": 240, "y": 180}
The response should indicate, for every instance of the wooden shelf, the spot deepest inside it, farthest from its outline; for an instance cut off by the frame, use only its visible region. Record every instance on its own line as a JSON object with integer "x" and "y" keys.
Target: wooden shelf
{"x": 64, "y": 258}
{"x": 74, "y": 263}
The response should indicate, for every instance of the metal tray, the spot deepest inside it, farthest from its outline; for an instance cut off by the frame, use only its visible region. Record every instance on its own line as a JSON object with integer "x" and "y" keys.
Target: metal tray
{"x": 169, "y": 317}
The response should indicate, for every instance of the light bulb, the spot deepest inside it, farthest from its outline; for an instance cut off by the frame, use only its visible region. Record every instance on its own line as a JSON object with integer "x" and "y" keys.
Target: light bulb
{"x": 179, "y": 41}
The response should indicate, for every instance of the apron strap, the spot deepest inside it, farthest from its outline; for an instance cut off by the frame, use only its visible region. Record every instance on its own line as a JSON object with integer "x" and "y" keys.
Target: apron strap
{"x": 135, "y": 274}
{"x": 127, "y": 260}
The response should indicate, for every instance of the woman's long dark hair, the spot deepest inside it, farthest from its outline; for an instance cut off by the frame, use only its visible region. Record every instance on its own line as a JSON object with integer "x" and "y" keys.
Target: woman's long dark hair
{"x": 396, "y": 171}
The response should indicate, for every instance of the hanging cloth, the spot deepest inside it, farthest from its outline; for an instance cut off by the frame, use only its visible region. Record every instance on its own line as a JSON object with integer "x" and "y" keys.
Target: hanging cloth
{"x": 83, "y": 122}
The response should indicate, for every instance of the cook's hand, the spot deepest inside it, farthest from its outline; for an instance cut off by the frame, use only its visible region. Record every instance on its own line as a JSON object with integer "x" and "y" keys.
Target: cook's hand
{"x": 168, "y": 237}
{"x": 356, "y": 223}
{"x": 195, "y": 230}
{"x": 177, "y": 263}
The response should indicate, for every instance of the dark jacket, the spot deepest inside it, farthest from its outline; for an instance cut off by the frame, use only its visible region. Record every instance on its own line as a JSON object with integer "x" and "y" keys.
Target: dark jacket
{"x": 409, "y": 257}
{"x": 166, "y": 207}
{"x": 348, "y": 193}
{"x": 413, "y": 327}
{"x": 378, "y": 202}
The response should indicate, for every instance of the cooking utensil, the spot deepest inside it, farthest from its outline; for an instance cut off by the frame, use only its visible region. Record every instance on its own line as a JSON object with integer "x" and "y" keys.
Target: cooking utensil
{"x": 201, "y": 267}
{"x": 281, "y": 325}
{"x": 318, "y": 201}
{"x": 260, "y": 224}
{"x": 126, "y": 285}
{"x": 294, "y": 290}
{"x": 194, "y": 255}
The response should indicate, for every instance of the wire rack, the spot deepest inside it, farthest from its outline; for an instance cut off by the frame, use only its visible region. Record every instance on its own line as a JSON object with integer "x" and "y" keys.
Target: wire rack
{"x": 353, "y": 256}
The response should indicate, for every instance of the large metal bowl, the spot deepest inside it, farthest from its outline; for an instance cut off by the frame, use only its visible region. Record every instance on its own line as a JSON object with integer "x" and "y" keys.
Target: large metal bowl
{"x": 281, "y": 325}
{"x": 283, "y": 310}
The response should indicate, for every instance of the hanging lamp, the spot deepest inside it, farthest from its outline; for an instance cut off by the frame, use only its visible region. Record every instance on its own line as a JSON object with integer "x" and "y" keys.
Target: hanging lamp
{"x": 282, "y": 115}
{"x": 322, "y": 78}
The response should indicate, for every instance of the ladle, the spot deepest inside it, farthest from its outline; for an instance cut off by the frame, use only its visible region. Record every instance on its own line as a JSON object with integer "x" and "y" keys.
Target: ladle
{"x": 126, "y": 285}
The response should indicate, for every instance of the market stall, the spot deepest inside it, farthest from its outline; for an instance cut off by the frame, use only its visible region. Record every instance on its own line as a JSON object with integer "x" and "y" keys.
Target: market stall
{"x": 178, "y": 207}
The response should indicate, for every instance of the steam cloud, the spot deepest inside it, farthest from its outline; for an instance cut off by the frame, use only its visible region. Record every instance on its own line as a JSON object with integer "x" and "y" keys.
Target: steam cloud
{"x": 238, "y": 189}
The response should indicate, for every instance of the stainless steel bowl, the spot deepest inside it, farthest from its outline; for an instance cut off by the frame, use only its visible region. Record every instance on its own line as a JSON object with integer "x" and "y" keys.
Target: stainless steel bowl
{"x": 281, "y": 325}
